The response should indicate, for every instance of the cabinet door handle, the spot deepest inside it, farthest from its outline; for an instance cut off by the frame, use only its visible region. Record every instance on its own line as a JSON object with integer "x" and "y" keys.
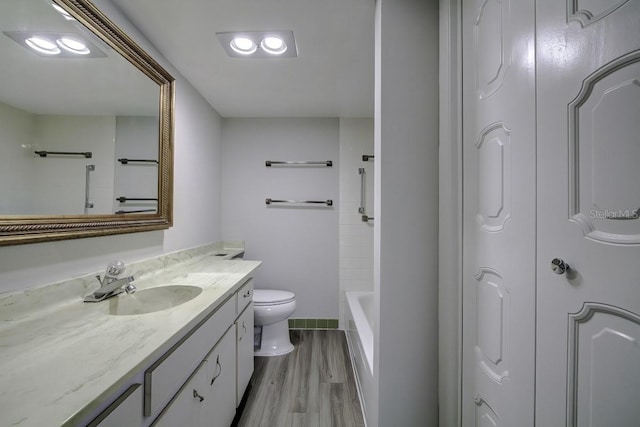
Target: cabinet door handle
{"x": 248, "y": 294}
{"x": 219, "y": 366}
{"x": 197, "y": 395}
{"x": 244, "y": 333}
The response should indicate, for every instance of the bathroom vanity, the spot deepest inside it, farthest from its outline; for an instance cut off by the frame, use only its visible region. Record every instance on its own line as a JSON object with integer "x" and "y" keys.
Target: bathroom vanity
{"x": 179, "y": 359}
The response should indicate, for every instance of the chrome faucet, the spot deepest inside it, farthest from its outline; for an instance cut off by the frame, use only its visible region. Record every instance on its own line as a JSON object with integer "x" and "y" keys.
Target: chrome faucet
{"x": 111, "y": 285}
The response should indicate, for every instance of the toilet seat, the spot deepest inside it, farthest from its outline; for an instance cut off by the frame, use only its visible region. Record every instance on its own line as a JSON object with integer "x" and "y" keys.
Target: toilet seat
{"x": 264, "y": 297}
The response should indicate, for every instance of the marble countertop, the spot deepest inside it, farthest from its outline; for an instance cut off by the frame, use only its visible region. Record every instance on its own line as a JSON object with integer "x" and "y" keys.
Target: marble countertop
{"x": 60, "y": 357}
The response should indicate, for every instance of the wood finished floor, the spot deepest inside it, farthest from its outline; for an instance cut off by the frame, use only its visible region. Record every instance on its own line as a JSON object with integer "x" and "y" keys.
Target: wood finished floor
{"x": 313, "y": 386}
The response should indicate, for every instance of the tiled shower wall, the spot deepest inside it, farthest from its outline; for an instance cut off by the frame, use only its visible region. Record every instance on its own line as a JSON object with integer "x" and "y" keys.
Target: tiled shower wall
{"x": 355, "y": 265}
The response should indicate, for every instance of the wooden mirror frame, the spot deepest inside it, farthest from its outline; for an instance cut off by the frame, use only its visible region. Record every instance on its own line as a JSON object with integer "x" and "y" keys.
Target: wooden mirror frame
{"x": 20, "y": 229}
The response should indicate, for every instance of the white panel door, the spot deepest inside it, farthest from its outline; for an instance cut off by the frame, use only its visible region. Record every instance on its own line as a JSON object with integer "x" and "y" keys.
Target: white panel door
{"x": 499, "y": 213}
{"x": 588, "y": 331}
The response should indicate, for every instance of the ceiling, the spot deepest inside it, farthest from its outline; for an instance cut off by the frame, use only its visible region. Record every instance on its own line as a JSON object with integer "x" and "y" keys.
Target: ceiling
{"x": 76, "y": 86}
{"x": 331, "y": 77}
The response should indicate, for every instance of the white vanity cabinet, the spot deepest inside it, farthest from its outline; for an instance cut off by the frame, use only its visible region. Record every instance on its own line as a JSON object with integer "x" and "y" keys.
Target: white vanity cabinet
{"x": 201, "y": 380}
{"x": 206, "y": 399}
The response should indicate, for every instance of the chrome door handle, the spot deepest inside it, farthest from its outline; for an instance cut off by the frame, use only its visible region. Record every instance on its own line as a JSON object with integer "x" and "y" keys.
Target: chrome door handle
{"x": 559, "y": 266}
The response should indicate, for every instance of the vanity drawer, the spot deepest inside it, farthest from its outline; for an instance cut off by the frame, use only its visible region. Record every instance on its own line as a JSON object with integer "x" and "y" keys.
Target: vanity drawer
{"x": 163, "y": 378}
{"x": 125, "y": 411}
{"x": 186, "y": 406}
{"x": 245, "y": 295}
{"x": 207, "y": 398}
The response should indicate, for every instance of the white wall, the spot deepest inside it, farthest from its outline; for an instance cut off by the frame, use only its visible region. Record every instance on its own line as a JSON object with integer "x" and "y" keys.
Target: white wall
{"x": 298, "y": 245}
{"x": 356, "y": 237}
{"x": 60, "y": 180}
{"x": 196, "y": 198}
{"x": 406, "y": 213}
{"x": 16, "y": 130}
{"x": 33, "y": 185}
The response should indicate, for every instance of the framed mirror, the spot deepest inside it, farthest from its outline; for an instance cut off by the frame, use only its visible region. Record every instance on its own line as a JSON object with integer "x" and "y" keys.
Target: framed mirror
{"x": 86, "y": 126}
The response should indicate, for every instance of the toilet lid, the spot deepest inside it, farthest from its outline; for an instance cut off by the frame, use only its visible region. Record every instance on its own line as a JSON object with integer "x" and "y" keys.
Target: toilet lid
{"x": 269, "y": 296}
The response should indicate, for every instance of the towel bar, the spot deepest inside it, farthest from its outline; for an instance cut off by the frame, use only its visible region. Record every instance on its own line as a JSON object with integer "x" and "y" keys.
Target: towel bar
{"x": 325, "y": 202}
{"x": 327, "y": 163}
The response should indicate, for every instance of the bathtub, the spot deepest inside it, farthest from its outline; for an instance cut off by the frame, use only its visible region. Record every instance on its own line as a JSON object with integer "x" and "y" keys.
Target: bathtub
{"x": 359, "y": 315}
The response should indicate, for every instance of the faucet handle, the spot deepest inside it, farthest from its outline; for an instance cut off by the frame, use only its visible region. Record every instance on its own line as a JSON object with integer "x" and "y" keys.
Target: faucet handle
{"x": 115, "y": 268}
{"x": 130, "y": 288}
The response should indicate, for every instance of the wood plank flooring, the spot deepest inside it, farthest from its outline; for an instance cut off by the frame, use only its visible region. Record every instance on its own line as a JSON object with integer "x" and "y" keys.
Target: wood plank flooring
{"x": 313, "y": 386}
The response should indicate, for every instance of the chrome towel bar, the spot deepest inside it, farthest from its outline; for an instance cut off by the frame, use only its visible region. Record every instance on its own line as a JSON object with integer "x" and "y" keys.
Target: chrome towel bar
{"x": 361, "y": 208}
{"x": 329, "y": 202}
{"x": 87, "y": 204}
{"x": 327, "y": 163}
{"x": 122, "y": 212}
{"x": 85, "y": 154}
{"x": 127, "y": 161}
{"x": 123, "y": 199}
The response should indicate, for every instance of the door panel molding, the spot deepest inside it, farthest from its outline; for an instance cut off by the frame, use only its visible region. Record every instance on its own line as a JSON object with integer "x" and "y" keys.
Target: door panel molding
{"x": 493, "y": 314}
{"x": 492, "y": 42}
{"x": 613, "y": 333}
{"x": 485, "y": 415}
{"x": 494, "y": 172}
{"x": 578, "y": 10}
{"x": 594, "y": 107}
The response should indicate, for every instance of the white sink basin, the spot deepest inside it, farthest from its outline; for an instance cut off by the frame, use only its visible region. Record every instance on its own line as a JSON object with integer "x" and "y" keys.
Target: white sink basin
{"x": 152, "y": 299}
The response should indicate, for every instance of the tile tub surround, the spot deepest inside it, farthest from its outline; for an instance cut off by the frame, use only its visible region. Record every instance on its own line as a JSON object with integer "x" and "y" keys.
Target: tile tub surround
{"x": 60, "y": 357}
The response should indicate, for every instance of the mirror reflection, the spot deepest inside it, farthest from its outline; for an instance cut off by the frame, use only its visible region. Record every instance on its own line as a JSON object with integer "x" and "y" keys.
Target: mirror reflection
{"x": 79, "y": 129}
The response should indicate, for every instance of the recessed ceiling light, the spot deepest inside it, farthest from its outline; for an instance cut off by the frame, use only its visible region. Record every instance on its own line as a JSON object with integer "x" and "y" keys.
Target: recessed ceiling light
{"x": 243, "y": 45}
{"x": 56, "y": 45}
{"x": 274, "y": 45}
{"x": 73, "y": 46}
{"x": 63, "y": 12}
{"x": 259, "y": 44}
{"x": 42, "y": 45}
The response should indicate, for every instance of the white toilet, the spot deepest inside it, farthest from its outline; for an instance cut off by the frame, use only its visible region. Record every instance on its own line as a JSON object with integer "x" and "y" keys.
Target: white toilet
{"x": 271, "y": 312}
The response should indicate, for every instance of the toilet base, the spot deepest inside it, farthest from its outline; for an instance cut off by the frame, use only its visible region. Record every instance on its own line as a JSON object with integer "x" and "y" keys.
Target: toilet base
{"x": 275, "y": 339}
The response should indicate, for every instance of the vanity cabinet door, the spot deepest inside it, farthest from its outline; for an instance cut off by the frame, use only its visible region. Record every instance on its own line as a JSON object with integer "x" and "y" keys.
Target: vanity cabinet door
{"x": 244, "y": 343}
{"x": 221, "y": 383}
{"x": 186, "y": 408}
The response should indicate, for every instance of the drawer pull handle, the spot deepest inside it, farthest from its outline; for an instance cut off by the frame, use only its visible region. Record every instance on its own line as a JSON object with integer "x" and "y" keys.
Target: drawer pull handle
{"x": 219, "y": 366}
{"x": 244, "y": 333}
{"x": 248, "y": 294}
{"x": 197, "y": 395}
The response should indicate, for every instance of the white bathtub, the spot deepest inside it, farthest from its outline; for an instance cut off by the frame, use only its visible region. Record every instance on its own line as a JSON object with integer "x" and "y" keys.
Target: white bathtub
{"x": 359, "y": 317}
